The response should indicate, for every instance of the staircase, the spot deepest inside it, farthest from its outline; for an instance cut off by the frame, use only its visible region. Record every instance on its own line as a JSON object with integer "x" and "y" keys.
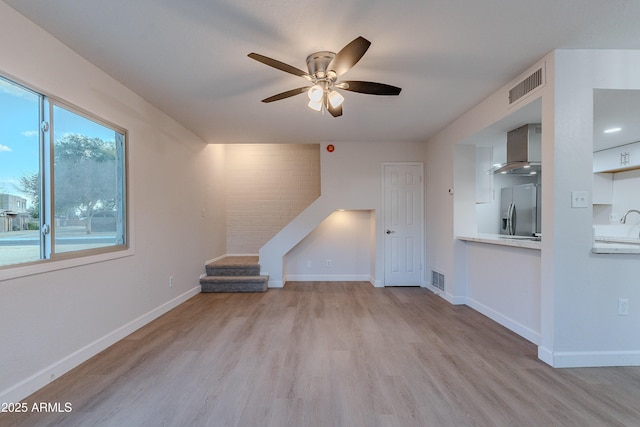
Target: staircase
{"x": 234, "y": 274}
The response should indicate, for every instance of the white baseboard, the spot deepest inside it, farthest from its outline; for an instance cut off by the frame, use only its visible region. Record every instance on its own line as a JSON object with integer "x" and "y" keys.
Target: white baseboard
{"x": 592, "y": 359}
{"x": 456, "y": 300}
{"x": 545, "y": 355}
{"x": 38, "y": 380}
{"x": 275, "y": 284}
{"x": 520, "y": 329}
{"x": 452, "y": 299}
{"x": 435, "y": 290}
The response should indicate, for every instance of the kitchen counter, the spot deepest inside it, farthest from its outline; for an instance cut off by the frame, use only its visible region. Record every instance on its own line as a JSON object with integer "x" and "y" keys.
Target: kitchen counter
{"x": 616, "y": 239}
{"x": 615, "y": 245}
{"x": 601, "y": 245}
{"x": 499, "y": 239}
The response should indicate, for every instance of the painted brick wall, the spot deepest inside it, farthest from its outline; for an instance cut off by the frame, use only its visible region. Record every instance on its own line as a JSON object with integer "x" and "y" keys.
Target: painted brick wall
{"x": 267, "y": 186}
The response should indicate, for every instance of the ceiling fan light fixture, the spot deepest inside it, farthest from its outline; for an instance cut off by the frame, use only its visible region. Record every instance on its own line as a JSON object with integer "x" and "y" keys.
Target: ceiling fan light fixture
{"x": 315, "y": 105}
{"x": 335, "y": 99}
{"x": 315, "y": 93}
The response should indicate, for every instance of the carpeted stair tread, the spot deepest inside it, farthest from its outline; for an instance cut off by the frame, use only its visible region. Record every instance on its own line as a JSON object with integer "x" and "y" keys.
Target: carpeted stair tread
{"x": 233, "y": 271}
{"x": 234, "y": 283}
{"x": 235, "y": 261}
{"x": 234, "y": 274}
{"x": 216, "y": 279}
{"x": 234, "y": 266}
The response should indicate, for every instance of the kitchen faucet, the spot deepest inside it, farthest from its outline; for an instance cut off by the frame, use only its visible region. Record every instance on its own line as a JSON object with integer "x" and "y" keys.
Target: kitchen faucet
{"x": 623, "y": 220}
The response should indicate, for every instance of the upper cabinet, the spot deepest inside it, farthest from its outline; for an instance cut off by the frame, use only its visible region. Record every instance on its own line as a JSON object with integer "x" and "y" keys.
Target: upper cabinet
{"x": 624, "y": 157}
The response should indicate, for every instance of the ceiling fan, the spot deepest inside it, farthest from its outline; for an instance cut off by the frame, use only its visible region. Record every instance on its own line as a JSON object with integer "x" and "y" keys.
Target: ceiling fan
{"x": 324, "y": 70}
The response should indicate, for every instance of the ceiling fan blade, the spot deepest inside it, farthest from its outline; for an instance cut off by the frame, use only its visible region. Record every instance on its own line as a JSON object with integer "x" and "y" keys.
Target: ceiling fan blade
{"x": 370, "y": 88}
{"x": 286, "y": 94}
{"x": 349, "y": 55}
{"x": 279, "y": 65}
{"x": 334, "y": 111}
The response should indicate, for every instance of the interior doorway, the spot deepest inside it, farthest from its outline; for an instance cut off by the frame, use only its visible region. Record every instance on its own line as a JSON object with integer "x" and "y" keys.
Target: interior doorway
{"x": 403, "y": 222}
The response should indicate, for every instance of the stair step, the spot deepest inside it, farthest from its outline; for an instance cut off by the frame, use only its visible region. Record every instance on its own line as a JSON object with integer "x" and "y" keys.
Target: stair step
{"x": 234, "y": 274}
{"x": 234, "y": 266}
{"x": 234, "y": 283}
{"x": 232, "y": 271}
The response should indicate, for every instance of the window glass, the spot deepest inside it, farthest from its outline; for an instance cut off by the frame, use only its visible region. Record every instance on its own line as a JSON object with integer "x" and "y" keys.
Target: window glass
{"x": 62, "y": 179}
{"x": 19, "y": 174}
{"x": 88, "y": 191}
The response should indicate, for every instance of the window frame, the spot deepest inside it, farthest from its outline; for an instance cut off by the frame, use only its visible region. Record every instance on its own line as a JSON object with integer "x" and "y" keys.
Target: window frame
{"x": 49, "y": 259}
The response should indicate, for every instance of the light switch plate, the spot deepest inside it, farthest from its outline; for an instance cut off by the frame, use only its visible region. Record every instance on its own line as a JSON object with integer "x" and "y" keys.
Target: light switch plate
{"x": 579, "y": 199}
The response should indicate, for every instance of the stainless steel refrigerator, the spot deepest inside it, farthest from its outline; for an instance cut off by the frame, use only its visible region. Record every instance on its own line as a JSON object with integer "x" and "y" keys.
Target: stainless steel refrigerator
{"x": 520, "y": 210}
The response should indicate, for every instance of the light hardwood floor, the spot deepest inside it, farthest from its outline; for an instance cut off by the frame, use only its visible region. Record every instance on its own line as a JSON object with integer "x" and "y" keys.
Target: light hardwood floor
{"x": 332, "y": 354}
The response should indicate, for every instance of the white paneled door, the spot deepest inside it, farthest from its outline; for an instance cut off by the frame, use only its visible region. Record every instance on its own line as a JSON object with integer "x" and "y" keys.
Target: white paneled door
{"x": 403, "y": 224}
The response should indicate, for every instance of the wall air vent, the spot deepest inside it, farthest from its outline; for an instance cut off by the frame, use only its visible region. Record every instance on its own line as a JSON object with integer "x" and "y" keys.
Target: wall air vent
{"x": 437, "y": 280}
{"x": 527, "y": 85}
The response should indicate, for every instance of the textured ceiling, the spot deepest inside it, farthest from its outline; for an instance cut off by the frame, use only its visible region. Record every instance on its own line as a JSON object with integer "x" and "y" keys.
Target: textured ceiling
{"x": 189, "y": 57}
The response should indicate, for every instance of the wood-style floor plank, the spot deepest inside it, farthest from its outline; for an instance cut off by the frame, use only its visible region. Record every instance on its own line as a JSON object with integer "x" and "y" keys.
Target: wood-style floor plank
{"x": 331, "y": 354}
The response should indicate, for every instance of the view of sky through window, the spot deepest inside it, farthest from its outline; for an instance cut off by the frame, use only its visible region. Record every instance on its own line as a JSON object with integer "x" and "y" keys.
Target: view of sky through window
{"x": 19, "y": 135}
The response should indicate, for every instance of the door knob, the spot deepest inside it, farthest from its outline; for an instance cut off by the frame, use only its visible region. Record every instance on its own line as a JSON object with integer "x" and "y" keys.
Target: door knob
{"x": 390, "y": 231}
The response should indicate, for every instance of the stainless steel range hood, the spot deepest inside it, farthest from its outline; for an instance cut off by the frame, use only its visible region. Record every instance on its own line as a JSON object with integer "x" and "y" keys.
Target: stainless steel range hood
{"x": 524, "y": 150}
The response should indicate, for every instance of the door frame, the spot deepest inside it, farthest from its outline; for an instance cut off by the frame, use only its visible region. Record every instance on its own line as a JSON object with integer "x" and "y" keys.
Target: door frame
{"x": 381, "y": 226}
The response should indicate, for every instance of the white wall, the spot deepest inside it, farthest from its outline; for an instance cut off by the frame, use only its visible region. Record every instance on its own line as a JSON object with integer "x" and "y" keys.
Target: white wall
{"x": 579, "y": 290}
{"x": 351, "y": 179}
{"x": 267, "y": 186}
{"x": 53, "y": 320}
{"x": 501, "y": 282}
{"x": 449, "y": 197}
{"x": 504, "y": 284}
{"x": 586, "y": 329}
{"x": 337, "y": 249}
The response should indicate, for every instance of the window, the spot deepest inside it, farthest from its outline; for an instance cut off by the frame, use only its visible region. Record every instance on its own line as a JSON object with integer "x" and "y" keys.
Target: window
{"x": 62, "y": 180}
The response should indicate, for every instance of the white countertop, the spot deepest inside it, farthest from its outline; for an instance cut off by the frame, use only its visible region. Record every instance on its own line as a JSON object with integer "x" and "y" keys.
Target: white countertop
{"x": 601, "y": 245}
{"x": 616, "y": 239}
{"x": 499, "y": 239}
{"x": 615, "y": 245}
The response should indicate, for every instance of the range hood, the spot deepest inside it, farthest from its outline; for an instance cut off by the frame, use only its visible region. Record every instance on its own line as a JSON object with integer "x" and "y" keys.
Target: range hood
{"x": 524, "y": 150}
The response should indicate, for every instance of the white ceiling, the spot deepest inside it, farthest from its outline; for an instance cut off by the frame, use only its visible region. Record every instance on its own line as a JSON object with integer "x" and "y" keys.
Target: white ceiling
{"x": 189, "y": 57}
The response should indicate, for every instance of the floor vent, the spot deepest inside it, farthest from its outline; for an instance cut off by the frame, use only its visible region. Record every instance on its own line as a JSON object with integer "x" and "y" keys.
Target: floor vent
{"x": 526, "y": 86}
{"x": 437, "y": 280}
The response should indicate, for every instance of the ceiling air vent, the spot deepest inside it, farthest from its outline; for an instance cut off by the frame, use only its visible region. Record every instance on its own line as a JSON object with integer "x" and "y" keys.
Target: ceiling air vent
{"x": 526, "y": 86}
